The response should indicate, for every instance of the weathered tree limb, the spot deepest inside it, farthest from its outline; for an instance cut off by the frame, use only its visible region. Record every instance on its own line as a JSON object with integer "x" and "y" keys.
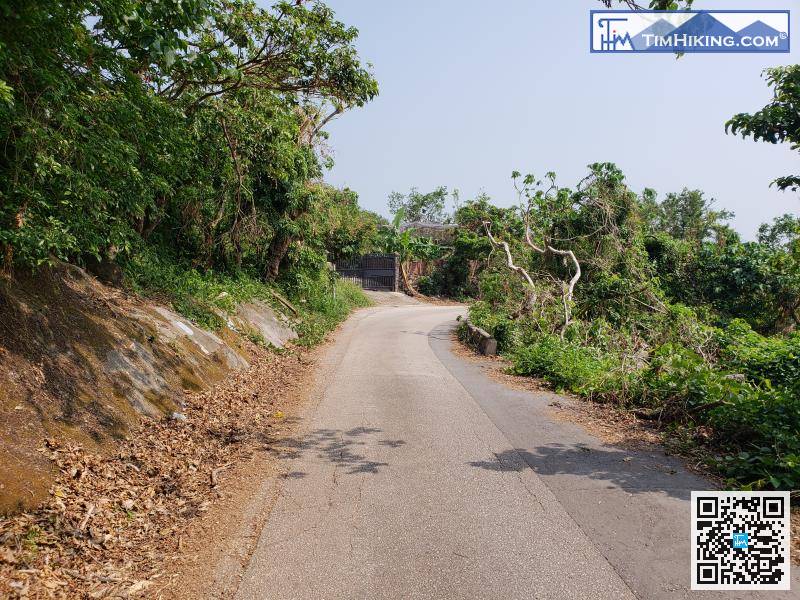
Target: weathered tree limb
{"x": 406, "y": 281}
{"x": 568, "y": 288}
{"x": 530, "y": 293}
{"x": 504, "y": 245}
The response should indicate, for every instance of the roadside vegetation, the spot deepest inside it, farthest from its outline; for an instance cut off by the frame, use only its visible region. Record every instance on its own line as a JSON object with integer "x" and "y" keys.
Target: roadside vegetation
{"x": 178, "y": 148}
{"x": 656, "y": 305}
{"x": 653, "y": 304}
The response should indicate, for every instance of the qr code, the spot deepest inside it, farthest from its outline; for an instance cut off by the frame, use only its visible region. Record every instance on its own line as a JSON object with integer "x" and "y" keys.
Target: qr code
{"x": 740, "y": 540}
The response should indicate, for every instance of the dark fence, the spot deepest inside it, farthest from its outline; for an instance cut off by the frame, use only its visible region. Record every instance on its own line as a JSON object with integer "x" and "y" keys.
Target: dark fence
{"x": 371, "y": 271}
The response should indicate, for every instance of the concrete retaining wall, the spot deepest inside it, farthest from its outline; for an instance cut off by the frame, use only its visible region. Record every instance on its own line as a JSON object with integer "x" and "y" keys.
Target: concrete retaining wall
{"x": 483, "y": 342}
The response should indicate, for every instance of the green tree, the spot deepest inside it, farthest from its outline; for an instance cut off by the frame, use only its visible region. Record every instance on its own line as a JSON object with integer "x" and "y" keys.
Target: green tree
{"x": 688, "y": 216}
{"x": 192, "y": 121}
{"x": 407, "y": 246}
{"x": 416, "y": 206}
{"x": 783, "y": 232}
{"x": 751, "y": 281}
{"x": 778, "y": 121}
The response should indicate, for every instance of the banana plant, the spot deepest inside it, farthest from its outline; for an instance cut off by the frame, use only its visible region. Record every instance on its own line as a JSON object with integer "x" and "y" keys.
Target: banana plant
{"x": 407, "y": 247}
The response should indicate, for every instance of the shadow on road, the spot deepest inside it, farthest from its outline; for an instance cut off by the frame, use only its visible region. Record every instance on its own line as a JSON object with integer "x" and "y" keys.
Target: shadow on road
{"x": 337, "y": 446}
{"x": 633, "y": 472}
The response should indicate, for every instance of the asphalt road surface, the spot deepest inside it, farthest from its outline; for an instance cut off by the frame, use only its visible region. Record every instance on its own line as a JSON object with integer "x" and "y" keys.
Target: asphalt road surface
{"x": 418, "y": 477}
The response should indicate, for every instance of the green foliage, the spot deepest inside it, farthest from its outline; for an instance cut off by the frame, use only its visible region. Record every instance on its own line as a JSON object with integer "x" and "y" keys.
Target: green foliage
{"x": 456, "y": 277}
{"x": 672, "y": 261}
{"x": 496, "y": 321}
{"x": 756, "y": 426}
{"x": 771, "y": 361}
{"x": 338, "y": 227}
{"x": 756, "y": 281}
{"x": 416, "y": 206}
{"x": 760, "y": 432}
{"x": 205, "y": 297}
{"x": 751, "y": 281}
{"x": 505, "y": 221}
{"x": 782, "y": 233}
{"x": 194, "y": 123}
{"x": 670, "y": 314}
{"x": 181, "y": 138}
{"x": 778, "y": 121}
{"x": 208, "y": 297}
{"x": 680, "y": 381}
{"x": 393, "y": 240}
{"x": 323, "y": 310}
{"x": 688, "y": 216}
{"x": 568, "y": 366}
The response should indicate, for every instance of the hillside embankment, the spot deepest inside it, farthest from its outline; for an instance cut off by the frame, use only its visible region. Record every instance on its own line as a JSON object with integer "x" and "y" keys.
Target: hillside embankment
{"x": 118, "y": 419}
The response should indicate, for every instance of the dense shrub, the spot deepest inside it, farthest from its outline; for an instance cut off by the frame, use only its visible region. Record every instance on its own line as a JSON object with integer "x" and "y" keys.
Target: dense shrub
{"x": 773, "y": 361}
{"x": 683, "y": 384}
{"x": 568, "y": 366}
{"x": 207, "y": 296}
{"x": 673, "y": 315}
{"x": 760, "y": 430}
{"x": 455, "y": 277}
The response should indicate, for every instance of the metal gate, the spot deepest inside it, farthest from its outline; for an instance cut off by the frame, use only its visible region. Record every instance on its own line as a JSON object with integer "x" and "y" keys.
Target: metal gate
{"x": 371, "y": 271}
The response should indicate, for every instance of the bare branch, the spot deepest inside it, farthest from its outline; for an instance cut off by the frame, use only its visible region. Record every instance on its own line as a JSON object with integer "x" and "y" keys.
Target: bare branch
{"x": 576, "y": 276}
{"x": 500, "y": 244}
{"x": 567, "y": 289}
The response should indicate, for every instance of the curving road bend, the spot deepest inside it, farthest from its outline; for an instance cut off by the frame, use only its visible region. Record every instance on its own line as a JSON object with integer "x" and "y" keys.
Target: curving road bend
{"x": 418, "y": 477}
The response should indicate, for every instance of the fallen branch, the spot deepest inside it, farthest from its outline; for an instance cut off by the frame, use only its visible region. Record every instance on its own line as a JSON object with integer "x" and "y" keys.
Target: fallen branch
{"x": 285, "y": 302}
{"x": 215, "y": 473}
{"x": 530, "y": 294}
{"x": 86, "y": 518}
{"x": 407, "y": 281}
{"x": 504, "y": 245}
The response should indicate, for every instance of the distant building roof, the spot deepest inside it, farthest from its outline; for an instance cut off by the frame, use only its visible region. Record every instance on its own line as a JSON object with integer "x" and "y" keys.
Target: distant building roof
{"x": 434, "y": 231}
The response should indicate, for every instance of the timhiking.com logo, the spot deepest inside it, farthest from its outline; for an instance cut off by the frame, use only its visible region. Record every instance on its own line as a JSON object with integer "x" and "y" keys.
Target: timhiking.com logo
{"x": 690, "y": 31}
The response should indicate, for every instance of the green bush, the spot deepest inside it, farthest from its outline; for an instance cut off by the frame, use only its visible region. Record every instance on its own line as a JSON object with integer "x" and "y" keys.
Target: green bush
{"x": 568, "y": 366}
{"x": 324, "y": 305}
{"x": 773, "y": 360}
{"x": 205, "y": 297}
{"x": 756, "y": 426}
{"x": 427, "y": 285}
{"x": 452, "y": 277}
{"x": 760, "y": 430}
{"x": 496, "y": 322}
{"x": 683, "y": 383}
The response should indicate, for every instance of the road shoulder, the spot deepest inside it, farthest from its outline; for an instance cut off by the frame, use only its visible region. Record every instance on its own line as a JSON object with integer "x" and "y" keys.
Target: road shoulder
{"x": 628, "y": 496}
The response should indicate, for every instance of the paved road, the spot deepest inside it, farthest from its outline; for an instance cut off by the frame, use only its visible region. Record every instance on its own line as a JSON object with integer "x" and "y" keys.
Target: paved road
{"x": 417, "y": 477}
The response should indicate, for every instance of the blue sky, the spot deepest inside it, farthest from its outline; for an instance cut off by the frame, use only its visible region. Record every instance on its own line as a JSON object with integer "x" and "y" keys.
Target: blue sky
{"x": 474, "y": 89}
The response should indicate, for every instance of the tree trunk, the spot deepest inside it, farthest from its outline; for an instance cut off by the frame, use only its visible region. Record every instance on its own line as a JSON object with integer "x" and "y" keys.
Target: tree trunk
{"x": 406, "y": 280}
{"x": 275, "y": 254}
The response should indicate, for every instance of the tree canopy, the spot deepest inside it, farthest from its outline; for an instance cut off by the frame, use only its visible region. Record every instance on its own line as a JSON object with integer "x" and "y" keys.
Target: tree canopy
{"x": 778, "y": 121}
{"x": 416, "y": 206}
{"x": 195, "y": 122}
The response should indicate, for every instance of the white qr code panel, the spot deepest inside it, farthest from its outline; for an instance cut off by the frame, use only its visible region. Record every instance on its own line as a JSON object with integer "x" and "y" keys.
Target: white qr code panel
{"x": 740, "y": 541}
